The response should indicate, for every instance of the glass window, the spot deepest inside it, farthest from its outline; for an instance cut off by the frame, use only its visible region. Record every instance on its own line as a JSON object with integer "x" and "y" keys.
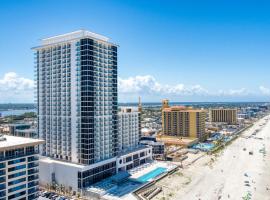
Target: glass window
{"x": 16, "y": 174}
{"x": 16, "y": 168}
{"x": 17, "y": 188}
{"x": 16, "y": 181}
{"x": 16, "y": 161}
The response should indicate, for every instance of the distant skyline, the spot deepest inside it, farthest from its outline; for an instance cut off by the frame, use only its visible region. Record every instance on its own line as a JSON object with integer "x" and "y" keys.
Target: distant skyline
{"x": 187, "y": 51}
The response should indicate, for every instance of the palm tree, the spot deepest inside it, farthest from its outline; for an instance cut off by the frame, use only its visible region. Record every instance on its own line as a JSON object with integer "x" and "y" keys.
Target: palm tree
{"x": 47, "y": 186}
{"x": 62, "y": 187}
{"x": 66, "y": 191}
{"x": 70, "y": 191}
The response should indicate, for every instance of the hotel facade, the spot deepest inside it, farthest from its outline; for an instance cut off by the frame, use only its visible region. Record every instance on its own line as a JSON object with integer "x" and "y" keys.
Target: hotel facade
{"x": 223, "y": 115}
{"x": 77, "y": 97}
{"x": 184, "y": 122}
{"x": 77, "y": 101}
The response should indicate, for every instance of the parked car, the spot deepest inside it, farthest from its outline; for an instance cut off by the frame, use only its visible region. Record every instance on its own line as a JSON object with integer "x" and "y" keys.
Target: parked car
{"x": 54, "y": 197}
{"x": 44, "y": 194}
{"x": 60, "y": 198}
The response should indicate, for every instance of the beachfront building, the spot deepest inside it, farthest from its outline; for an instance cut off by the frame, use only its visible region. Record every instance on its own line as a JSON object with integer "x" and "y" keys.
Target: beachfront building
{"x": 128, "y": 129}
{"x": 184, "y": 122}
{"x": 223, "y": 115}
{"x": 76, "y": 77}
{"x": 19, "y": 167}
{"x": 131, "y": 153}
{"x": 140, "y": 109}
{"x": 77, "y": 97}
{"x": 158, "y": 148}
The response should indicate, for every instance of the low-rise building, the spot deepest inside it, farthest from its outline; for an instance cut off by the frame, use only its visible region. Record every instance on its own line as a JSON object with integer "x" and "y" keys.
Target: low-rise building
{"x": 158, "y": 148}
{"x": 16, "y": 127}
{"x": 133, "y": 158}
{"x": 28, "y": 133}
{"x": 79, "y": 177}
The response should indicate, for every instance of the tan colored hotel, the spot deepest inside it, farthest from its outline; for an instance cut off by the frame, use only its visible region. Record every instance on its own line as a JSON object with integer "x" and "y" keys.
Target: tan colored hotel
{"x": 227, "y": 115}
{"x": 184, "y": 122}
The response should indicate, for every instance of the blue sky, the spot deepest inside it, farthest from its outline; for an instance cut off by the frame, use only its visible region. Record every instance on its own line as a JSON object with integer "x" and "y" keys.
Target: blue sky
{"x": 182, "y": 50}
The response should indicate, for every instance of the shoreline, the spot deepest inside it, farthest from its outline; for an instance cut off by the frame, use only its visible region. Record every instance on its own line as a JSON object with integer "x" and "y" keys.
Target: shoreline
{"x": 216, "y": 176}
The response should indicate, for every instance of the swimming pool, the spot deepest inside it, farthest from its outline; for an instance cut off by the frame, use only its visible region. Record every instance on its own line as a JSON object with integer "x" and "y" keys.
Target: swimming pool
{"x": 203, "y": 146}
{"x": 150, "y": 175}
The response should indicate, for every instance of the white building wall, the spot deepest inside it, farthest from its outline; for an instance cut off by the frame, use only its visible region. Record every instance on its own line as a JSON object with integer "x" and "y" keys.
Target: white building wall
{"x": 59, "y": 101}
{"x": 74, "y": 104}
{"x": 128, "y": 129}
{"x": 65, "y": 174}
{"x": 54, "y": 102}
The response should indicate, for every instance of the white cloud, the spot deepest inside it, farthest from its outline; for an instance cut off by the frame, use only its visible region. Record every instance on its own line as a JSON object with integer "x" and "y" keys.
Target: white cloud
{"x": 14, "y": 88}
{"x": 264, "y": 90}
{"x": 149, "y": 85}
{"x": 234, "y": 92}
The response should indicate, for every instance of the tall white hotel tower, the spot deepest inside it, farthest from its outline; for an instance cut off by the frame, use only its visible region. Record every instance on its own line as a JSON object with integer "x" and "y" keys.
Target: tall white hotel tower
{"x": 76, "y": 77}
{"x": 77, "y": 97}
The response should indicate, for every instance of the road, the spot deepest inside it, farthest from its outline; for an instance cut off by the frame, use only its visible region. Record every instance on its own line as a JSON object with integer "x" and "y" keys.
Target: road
{"x": 234, "y": 174}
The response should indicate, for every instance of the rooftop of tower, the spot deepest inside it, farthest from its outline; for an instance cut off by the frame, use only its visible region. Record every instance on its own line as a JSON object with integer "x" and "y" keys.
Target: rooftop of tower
{"x": 10, "y": 142}
{"x": 72, "y": 36}
{"x": 182, "y": 109}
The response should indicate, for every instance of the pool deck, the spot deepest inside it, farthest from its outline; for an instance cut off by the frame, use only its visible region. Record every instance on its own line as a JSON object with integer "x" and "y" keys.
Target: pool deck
{"x": 108, "y": 190}
{"x": 204, "y": 146}
{"x": 144, "y": 169}
{"x": 152, "y": 175}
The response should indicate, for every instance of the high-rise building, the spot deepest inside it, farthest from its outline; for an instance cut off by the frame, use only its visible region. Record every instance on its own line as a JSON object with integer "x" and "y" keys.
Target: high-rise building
{"x": 19, "y": 167}
{"x": 76, "y": 77}
{"x": 140, "y": 109}
{"x": 77, "y": 97}
{"x": 184, "y": 122}
{"x": 128, "y": 129}
{"x": 224, "y": 115}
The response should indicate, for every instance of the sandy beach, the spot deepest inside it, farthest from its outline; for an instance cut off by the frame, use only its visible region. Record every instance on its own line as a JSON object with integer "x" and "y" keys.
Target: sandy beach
{"x": 230, "y": 174}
